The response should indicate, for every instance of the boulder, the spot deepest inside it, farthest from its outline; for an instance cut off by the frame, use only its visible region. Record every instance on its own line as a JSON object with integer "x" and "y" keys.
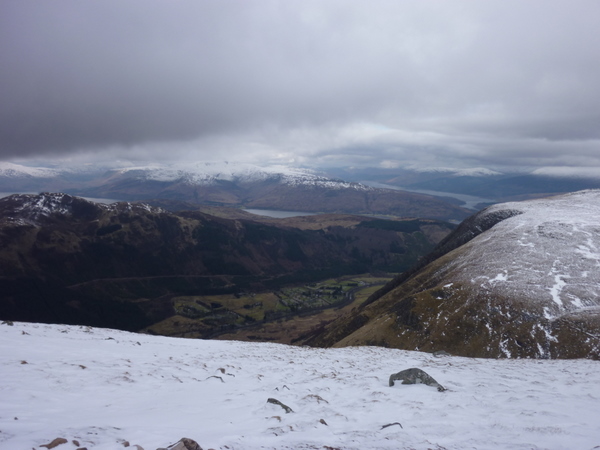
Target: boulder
{"x": 277, "y": 402}
{"x": 183, "y": 444}
{"x": 415, "y": 376}
{"x": 55, "y": 443}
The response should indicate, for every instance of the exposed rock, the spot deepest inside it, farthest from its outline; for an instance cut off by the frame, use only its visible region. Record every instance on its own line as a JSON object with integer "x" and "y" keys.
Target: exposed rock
{"x": 391, "y": 424}
{"x": 415, "y": 376}
{"x": 183, "y": 444}
{"x": 277, "y": 402}
{"x": 214, "y": 376}
{"x": 318, "y": 398}
{"x": 55, "y": 443}
{"x": 440, "y": 353}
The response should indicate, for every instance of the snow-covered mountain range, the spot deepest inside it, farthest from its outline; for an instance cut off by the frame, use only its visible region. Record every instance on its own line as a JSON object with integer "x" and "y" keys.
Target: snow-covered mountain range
{"x": 102, "y": 389}
{"x": 206, "y": 173}
{"x": 10, "y": 170}
{"x": 468, "y": 172}
{"x": 515, "y": 280}
{"x": 227, "y": 184}
{"x": 196, "y": 173}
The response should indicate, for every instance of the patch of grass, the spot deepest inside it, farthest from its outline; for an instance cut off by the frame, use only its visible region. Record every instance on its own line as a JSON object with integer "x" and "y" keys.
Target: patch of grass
{"x": 404, "y": 226}
{"x": 285, "y": 315}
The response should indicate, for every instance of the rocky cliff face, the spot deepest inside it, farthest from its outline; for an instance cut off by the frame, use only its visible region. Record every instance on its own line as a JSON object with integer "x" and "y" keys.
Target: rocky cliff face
{"x": 65, "y": 259}
{"x": 515, "y": 280}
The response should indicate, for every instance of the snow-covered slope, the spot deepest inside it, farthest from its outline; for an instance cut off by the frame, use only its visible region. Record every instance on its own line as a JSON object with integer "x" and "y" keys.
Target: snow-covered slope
{"x": 518, "y": 279}
{"x": 104, "y": 388}
{"x": 547, "y": 254}
{"x": 10, "y": 170}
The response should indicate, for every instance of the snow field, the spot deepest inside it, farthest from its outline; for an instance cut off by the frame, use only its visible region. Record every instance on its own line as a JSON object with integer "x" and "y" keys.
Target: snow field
{"x": 104, "y": 387}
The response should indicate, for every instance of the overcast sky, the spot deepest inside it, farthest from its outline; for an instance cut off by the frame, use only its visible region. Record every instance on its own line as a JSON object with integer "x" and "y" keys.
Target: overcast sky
{"x": 308, "y": 82}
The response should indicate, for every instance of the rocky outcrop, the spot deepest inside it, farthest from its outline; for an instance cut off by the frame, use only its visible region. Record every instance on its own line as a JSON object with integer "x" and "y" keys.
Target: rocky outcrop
{"x": 277, "y": 402}
{"x": 415, "y": 376}
{"x": 55, "y": 443}
{"x": 183, "y": 444}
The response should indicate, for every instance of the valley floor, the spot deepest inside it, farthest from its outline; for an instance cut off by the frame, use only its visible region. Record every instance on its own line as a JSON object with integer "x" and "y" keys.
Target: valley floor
{"x": 103, "y": 388}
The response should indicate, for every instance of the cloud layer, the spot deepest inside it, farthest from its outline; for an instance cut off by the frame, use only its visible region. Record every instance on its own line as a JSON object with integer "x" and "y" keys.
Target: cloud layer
{"x": 342, "y": 82}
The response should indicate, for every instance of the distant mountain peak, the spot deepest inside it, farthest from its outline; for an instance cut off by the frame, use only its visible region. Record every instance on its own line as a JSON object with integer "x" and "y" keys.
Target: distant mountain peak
{"x": 11, "y": 170}
{"x": 33, "y": 208}
{"x": 207, "y": 173}
{"x": 476, "y": 172}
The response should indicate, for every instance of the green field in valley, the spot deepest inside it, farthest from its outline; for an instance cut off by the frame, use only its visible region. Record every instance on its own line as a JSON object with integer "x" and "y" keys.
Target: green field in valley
{"x": 247, "y": 315}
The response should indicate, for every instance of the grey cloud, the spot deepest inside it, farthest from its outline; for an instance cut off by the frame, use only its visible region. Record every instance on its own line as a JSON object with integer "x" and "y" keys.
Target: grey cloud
{"x": 492, "y": 82}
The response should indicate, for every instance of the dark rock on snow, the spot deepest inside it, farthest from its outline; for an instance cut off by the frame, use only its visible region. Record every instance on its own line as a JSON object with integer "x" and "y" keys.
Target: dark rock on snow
{"x": 183, "y": 444}
{"x": 415, "y": 376}
{"x": 277, "y": 402}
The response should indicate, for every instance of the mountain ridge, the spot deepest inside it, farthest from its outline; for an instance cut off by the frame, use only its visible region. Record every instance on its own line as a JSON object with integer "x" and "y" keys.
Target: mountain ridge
{"x": 238, "y": 185}
{"x": 68, "y": 259}
{"x": 516, "y": 280}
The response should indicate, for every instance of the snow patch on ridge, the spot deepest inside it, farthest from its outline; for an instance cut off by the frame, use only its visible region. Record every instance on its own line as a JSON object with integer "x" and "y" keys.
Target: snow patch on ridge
{"x": 500, "y": 277}
{"x": 556, "y": 289}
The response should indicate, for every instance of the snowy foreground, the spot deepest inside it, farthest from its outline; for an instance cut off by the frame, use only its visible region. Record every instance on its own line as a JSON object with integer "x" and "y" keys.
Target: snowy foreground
{"x": 104, "y": 388}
